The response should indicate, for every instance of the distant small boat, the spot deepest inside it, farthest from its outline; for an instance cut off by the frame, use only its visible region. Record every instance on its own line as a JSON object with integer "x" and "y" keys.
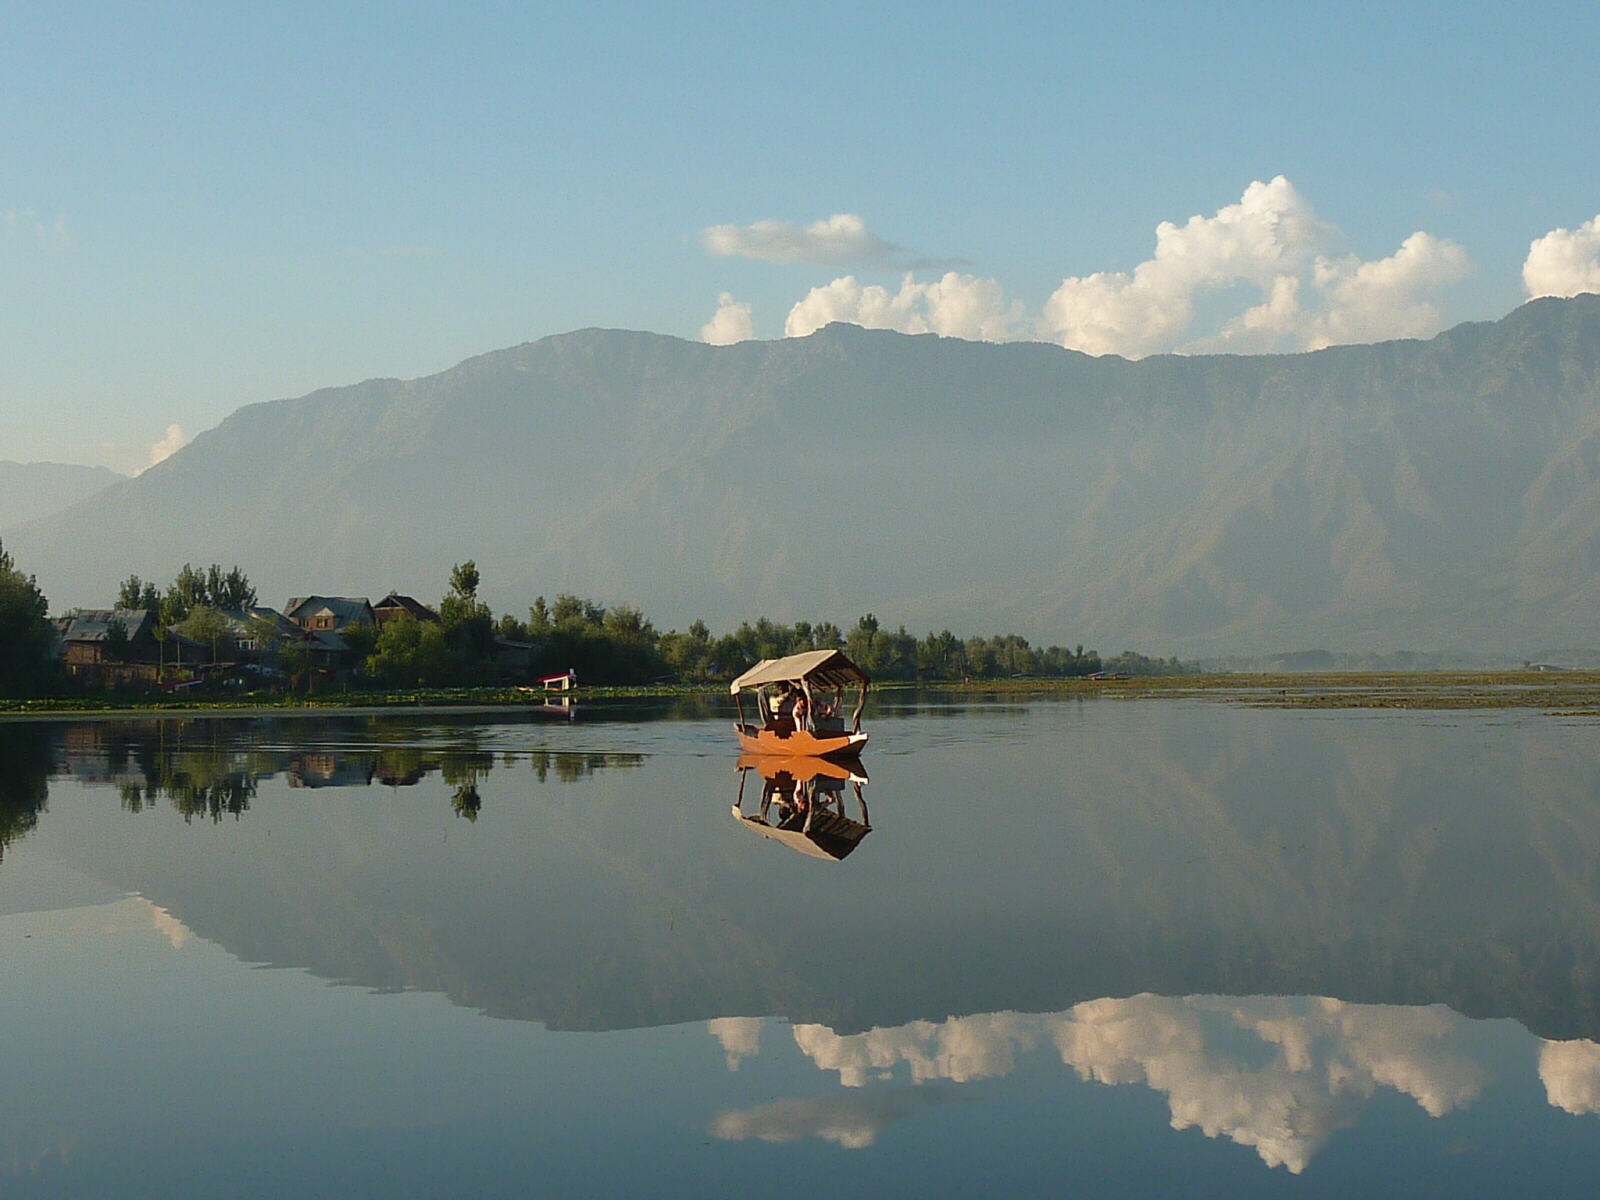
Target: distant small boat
{"x": 799, "y": 704}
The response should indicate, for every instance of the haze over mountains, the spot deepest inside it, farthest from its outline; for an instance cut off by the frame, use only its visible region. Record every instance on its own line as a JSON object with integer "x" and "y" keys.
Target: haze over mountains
{"x": 32, "y": 490}
{"x": 1422, "y": 495}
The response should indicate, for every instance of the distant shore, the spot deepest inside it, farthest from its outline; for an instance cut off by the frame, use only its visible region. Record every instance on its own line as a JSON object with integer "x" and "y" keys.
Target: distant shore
{"x": 1574, "y": 693}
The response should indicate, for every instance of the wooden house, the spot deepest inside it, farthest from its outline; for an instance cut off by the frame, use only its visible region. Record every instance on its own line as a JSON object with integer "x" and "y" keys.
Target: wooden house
{"x": 392, "y": 605}
{"x": 330, "y": 614}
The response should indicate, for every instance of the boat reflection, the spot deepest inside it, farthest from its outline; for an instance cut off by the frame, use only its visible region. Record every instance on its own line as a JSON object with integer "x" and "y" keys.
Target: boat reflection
{"x": 802, "y": 803}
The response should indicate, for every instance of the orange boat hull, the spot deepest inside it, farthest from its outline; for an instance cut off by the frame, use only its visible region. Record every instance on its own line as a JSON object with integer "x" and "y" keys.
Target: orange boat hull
{"x": 798, "y": 743}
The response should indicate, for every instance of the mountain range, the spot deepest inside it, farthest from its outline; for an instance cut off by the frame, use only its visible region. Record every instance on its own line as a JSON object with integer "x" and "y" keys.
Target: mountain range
{"x": 1440, "y": 494}
{"x": 32, "y": 490}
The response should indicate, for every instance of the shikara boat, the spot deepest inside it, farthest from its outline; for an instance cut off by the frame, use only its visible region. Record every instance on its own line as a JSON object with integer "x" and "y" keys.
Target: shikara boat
{"x": 803, "y": 804}
{"x": 800, "y": 706}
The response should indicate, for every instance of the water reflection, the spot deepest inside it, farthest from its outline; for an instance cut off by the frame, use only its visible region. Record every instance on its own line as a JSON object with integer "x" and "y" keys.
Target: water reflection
{"x": 802, "y": 804}
{"x": 1190, "y": 861}
{"x": 1280, "y": 1075}
{"x": 211, "y": 768}
{"x": 26, "y": 762}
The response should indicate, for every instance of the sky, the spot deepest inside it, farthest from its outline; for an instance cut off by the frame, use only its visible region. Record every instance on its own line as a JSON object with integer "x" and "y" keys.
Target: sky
{"x": 207, "y": 206}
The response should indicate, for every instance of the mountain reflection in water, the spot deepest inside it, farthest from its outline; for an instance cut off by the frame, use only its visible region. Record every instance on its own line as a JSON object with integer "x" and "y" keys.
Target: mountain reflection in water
{"x": 1131, "y": 899}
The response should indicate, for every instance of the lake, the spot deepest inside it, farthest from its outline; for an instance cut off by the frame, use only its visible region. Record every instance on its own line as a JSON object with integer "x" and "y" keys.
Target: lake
{"x": 1095, "y": 947}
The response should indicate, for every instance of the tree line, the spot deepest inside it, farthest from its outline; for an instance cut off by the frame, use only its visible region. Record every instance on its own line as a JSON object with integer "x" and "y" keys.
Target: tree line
{"x": 470, "y": 645}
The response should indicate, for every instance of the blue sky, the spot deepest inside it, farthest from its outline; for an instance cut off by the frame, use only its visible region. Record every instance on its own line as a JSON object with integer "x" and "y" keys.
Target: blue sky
{"x": 207, "y": 206}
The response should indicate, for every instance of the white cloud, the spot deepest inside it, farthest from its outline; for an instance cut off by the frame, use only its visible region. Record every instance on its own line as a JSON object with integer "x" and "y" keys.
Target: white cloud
{"x": 1328, "y": 1057}
{"x": 1279, "y": 1075}
{"x": 729, "y": 324}
{"x": 1564, "y": 262}
{"x": 26, "y": 221}
{"x": 1271, "y": 240}
{"x": 1261, "y": 275}
{"x": 740, "y": 1037}
{"x": 954, "y": 305}
{"x": 1367, "y": 301}
{"x": 1270, "y": 234}
{"x": 1570, "y": 1072}
{"x": 173, "y": 440}
{"x": 841, "y": 240}
{"x": 960, "y": 1049}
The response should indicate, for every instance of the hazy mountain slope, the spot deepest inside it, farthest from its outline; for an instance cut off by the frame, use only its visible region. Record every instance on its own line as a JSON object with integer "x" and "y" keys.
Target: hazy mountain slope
{"x": 29, "y": 491}
{"x": 1427, "y": 494}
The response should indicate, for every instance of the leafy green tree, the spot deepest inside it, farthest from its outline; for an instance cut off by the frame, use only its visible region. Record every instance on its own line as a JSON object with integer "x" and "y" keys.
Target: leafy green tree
{"x": 510, "y": 628}
{"x": 362, "y": 640}
{"x": 468, "y": 625}
{"x": 410, "y": 653}
{"x": 193, "y": 588}
{"x": 184, "y": 594}
{"x": 27, "y": 665}
{"x": 688, "y": 655}
{"x": 135, "y": 593}
{"x": 231, "y": 592}
{"x": 206, "y": 624}
{"x": 294, "y": 660}
{"x": 862, "y": 645}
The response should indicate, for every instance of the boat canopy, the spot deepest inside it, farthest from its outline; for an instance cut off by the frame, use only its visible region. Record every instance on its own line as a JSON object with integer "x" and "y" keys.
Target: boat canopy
{"x": 829, "y": 668}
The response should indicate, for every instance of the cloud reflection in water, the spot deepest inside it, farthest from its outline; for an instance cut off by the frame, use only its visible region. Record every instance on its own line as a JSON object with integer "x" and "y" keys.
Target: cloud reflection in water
{"x": 1280, "y": 1075}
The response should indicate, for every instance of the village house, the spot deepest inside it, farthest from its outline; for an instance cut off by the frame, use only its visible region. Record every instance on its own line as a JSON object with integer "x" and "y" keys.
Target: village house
{"x": 88, "y": 636}
{"x": 109, "y": 645}
{"x": 392, "y": 605}
{"x": 330, "y": 614}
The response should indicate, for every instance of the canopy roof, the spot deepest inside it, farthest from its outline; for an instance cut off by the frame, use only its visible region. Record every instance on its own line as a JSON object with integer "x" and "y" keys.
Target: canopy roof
{"x": 830, "y": 837}
{"x": 830, "y": 668}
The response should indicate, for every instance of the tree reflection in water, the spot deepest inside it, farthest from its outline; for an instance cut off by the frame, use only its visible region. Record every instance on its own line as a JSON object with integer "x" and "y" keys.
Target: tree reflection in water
{"x": 26, "y": 761}
{"x": 211, "y": 768}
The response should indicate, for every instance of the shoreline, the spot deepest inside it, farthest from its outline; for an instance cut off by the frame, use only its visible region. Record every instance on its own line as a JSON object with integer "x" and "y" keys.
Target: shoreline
{"x": 1560, "y": 692}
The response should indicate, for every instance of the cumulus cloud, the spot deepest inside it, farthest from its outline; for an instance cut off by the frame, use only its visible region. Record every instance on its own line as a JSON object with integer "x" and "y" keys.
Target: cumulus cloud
{"x": 955, "y": 305}
{"x": 740, "y": 1037}
{"x": 729, "y": 324}
{"x": 1261, "y": 275}
{"x": 842, "y": 240}
{"x": 1278, "y": 1075}
{"x": 1271, "y": 234}
{"x": 1570, "y": 1072}
{"x": 1564, "y": 262}
{"x": 1328, "y": 1058}
{"x": 1271, "y": 240}
{"x": 960, "y": 1049}
{"x": 173, "y": 440}
{"x": 1366, "y": 301}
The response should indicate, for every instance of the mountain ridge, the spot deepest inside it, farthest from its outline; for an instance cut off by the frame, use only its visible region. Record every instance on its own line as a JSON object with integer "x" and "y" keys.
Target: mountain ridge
{"x": 1439, "y": 493}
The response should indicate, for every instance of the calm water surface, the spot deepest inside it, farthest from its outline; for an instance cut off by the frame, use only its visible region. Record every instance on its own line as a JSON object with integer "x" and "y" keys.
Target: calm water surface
{"x": 1096, "y": 948}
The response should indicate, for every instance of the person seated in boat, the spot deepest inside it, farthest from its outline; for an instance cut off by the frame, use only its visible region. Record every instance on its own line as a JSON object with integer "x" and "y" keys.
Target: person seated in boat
{"x": 782, "y": 705}
{"x": 800, "y": 707}
{"x": 825, "y": 714}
